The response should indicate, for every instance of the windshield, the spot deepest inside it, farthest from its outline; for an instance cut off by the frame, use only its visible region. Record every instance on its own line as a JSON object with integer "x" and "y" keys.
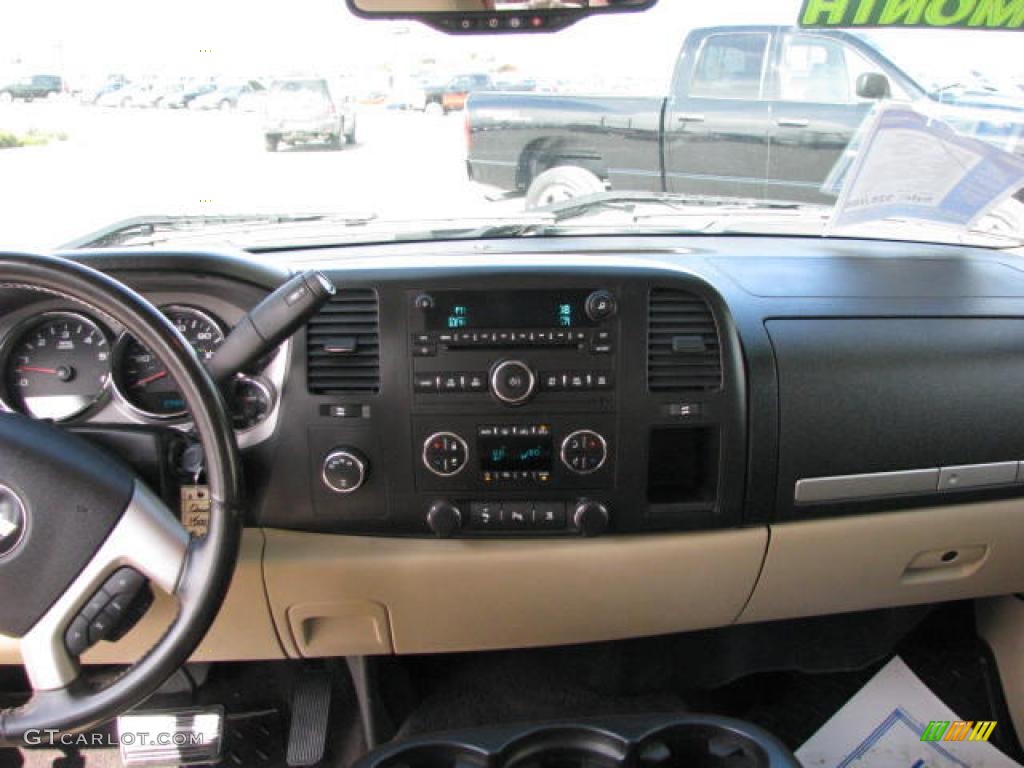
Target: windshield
{"x": 277, "y": 124}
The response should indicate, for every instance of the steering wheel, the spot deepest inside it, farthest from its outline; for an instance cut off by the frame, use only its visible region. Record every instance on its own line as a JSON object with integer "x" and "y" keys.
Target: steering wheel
{"x": 75, "y": 516}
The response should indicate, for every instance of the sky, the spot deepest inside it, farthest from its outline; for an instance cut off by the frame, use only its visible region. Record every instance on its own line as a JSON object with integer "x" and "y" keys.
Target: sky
{"x": 168, "y": 38}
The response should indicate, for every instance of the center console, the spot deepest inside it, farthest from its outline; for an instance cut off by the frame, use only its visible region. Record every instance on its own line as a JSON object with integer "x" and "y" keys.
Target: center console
{"x": 633, "y": 741}
{"x": 497, "y": 405}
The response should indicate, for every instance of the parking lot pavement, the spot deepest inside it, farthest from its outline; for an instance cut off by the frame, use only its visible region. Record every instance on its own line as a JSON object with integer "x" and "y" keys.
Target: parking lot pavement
{"x": 119, "y": 163}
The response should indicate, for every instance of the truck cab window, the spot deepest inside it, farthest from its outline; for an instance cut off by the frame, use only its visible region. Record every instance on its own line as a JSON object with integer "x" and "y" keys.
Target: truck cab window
{"x": 814, "y": 70}
{"x": 730, "y": 67}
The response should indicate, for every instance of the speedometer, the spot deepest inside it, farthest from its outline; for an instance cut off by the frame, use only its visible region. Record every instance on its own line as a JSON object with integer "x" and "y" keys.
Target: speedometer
{"x": 57, "y": 366}
{"x": 141, "y": 378}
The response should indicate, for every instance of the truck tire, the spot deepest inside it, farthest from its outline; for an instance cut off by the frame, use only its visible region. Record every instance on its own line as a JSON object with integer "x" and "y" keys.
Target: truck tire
{"x": 562, "y": 183}
{"x": 272, "y": 140}
{"x": 350, "y": 134}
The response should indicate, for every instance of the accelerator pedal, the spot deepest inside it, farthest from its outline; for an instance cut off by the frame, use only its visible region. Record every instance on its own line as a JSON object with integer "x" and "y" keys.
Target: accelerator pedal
{"x": 311, "y": 709}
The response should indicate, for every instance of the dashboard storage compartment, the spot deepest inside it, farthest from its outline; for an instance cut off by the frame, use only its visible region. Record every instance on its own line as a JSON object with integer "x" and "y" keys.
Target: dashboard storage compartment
{"x": 654, "y": 741}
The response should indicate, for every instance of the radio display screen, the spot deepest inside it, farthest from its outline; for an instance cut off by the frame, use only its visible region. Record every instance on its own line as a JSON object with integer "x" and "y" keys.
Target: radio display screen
{"x": 515, "y": 453}
{"x": 455, "y": 310}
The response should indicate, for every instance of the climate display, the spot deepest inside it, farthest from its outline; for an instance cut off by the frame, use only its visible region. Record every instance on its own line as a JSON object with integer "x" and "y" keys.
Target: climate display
{"x": 514, "y": 452}
{"x": 455, "y": 310}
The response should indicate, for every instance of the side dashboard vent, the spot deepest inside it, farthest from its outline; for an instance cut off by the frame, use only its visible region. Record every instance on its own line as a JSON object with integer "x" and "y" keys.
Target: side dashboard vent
{"x": 683, "y": 349}
{"x": 343, "y": 345}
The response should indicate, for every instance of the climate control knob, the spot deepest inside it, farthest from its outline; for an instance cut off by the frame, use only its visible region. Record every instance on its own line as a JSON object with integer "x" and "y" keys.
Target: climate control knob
{"x": 591, "y": 518}
{"x": 584, "y": 451}
{"x": 344, "y": 470}
{"x": 444, "y": 519}
{"x": 513, "y": 382}
{"x": 445, "y": 454}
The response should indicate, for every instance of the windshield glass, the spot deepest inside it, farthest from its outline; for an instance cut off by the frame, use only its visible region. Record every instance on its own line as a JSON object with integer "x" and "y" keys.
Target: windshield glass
{"x": 274, "y": 124}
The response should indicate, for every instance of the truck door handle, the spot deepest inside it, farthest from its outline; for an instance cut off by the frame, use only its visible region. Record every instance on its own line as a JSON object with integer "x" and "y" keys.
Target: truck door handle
{"x": 793, "y": 122}
{"x": 689, "y": 117}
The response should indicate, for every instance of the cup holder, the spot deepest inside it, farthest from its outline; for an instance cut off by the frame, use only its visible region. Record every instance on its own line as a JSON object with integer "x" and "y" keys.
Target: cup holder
{"x": 565, "y": 748}
{"x": 436, "y": 756}
{"x": 639, "y": 741}
{"x": 699, "y": 746}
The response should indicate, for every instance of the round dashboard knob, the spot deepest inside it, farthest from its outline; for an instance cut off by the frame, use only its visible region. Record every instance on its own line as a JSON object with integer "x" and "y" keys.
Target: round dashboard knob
{"x": 444, "y": 519}
{"x": 445, "y": 454}
{"x": 584, "y": 451}
{"x": 591, "y": 517}
{"x": 344, "y": 470}
{"x": 600, "y": 305}
{"x": 513, "y": 382}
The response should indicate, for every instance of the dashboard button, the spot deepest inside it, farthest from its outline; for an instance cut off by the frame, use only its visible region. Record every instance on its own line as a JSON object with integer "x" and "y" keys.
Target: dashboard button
{"x": 517, "y": 514}
{"x": 549, "y": 515}
{"x": 424, "y": 350}
{"x": 476, "y": 382}
{"x": 485, "y": 515}
{"x": 426, "y": 383}
{"x": 584, "y": 451}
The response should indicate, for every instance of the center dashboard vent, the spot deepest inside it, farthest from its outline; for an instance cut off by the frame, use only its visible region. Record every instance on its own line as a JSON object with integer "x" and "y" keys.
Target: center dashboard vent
{"x": 343, "y": 345}
{"x": 683, "y": 349}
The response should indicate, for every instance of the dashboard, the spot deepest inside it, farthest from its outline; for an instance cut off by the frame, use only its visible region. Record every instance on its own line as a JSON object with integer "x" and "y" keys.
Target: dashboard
{"x": 513, "y": 443}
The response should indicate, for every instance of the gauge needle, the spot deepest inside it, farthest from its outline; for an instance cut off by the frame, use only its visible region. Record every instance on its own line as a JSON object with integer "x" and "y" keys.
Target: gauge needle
{"x": 34, "y": 369}
{"x": 150, "y": 379}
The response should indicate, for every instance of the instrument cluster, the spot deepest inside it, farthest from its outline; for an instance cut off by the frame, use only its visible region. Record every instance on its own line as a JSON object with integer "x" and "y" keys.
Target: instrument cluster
{"x": 67, "y": 365}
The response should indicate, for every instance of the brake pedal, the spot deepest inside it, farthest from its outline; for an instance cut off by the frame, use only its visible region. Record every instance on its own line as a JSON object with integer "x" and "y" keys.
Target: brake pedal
{"x": 171, "y": 737}
{"x": 311, "y": 709}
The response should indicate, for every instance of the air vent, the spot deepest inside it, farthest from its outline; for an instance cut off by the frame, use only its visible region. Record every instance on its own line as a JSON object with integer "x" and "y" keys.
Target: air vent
{"x": 343, "y": 345}
{"x": 683, "y": 352}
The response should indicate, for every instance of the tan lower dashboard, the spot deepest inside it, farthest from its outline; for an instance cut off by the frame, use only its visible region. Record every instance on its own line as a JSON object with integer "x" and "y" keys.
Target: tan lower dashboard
{"x": 299, "y": 594}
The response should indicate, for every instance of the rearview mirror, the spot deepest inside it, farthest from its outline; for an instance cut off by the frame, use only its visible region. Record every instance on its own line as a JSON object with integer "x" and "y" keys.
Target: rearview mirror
{"x": 873, "y": 85}
{"x": 493, "y": 16}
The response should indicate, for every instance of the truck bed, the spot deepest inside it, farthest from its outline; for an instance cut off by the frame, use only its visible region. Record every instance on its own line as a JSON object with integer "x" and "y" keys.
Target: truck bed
{"x": 516, "y": 136}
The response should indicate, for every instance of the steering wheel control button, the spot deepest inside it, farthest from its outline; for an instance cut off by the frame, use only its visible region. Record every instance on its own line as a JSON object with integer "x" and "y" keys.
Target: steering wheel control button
{"x": 591, "y": 518}
{"x": 601, "y": 305}
{"x": 584, "y": 452}
{"x": 445, "y": 454}
{"x": 13, "y": 521}
{"x": 513, "y": 382}
{"x": 444, "y": 519}
{"x": 76, "y": 639}
{"x": 344, "y": 470}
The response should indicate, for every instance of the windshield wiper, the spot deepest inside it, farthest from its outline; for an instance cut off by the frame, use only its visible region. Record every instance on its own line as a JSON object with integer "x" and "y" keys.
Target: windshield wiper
{"x": 629, "y": 202}
{"x": 149, "y": 230}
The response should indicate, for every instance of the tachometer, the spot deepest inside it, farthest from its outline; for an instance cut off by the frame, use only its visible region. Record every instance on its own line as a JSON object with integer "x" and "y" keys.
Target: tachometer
{"x": 141, "y": 378}
{"x": 57, "y": 366}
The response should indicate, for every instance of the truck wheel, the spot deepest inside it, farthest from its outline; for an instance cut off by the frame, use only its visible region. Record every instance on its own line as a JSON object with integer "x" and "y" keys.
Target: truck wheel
{"x": 272, "y": 140}
{"x": 350, "y": 134}
{"x": 562, "y": 183}
{"x": 334, "y": 141}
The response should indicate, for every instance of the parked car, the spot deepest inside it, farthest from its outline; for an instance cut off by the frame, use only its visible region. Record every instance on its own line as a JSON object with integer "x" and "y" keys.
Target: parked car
{"x": 452, "y": 95}
{"x": 33, "y": 87}
{"x": 226, "y": 96}
{"x": 306, "y": 110}
{"x": 184, "y": 97}
{"x": 753, "y": 111}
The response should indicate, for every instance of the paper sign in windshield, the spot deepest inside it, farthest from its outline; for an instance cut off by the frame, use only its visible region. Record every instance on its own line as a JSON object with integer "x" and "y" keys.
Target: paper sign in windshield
{"x": 910, "y": 166}
{"x": 942, "y": 14}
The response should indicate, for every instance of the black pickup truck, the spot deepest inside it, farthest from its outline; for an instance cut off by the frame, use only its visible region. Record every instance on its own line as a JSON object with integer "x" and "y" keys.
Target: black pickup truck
{"x": 753, "y": 112}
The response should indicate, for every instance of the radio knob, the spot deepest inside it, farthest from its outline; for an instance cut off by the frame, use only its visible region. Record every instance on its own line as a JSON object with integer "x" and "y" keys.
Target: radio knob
{"x": 344, "y": 470}
{"x": 513, "y": 382}
{"x": 600, "y": 305}
{"x": 444, "y": 519}
{"x": 591, "y": 518}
